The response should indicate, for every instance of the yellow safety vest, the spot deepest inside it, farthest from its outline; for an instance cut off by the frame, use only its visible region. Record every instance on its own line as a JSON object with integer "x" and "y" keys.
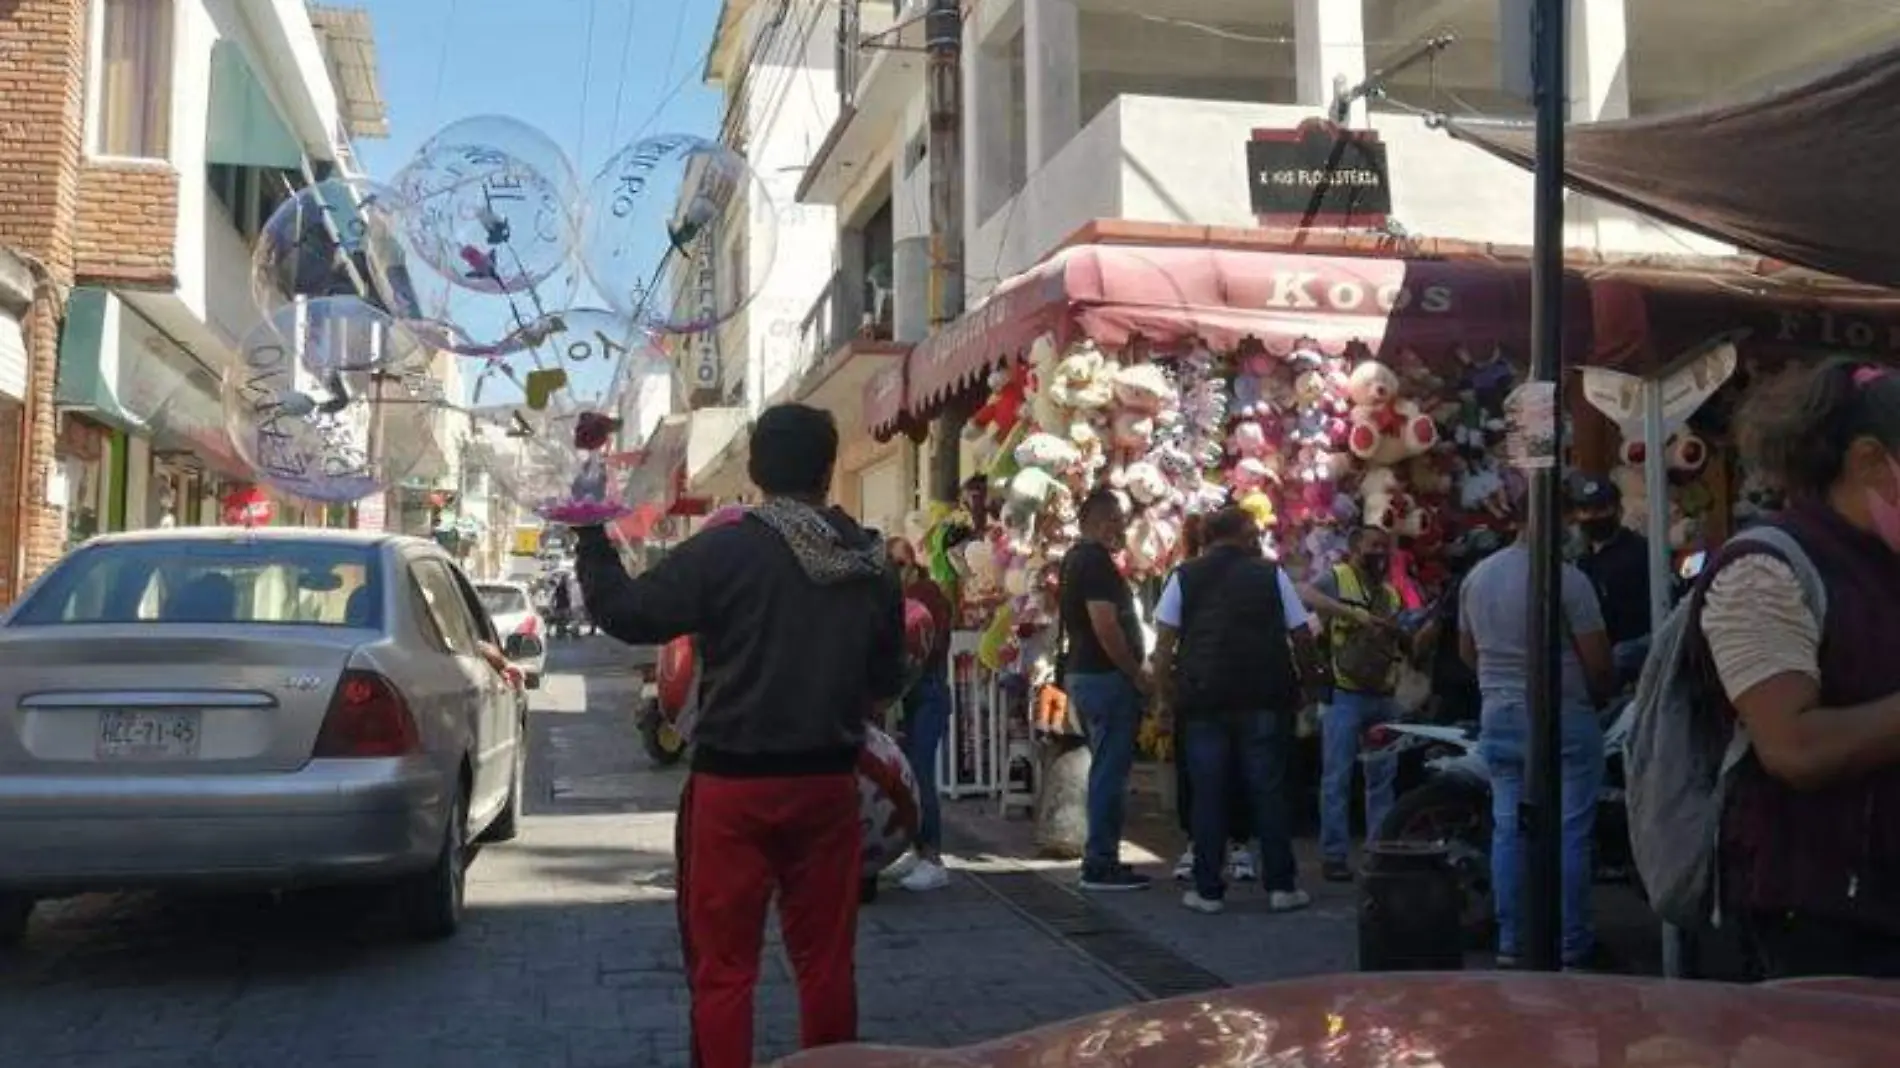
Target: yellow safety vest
{"x": 1338, "y": 630}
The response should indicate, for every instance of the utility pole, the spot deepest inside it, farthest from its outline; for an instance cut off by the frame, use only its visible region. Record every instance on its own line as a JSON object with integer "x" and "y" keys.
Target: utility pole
{"x": 1541, "y": 813}
{"x": 943, "y": 47}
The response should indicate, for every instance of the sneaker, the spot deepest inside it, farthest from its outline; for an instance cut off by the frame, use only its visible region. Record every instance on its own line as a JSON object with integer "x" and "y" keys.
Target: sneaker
{"x": 927, "y": 875}
{"x": 901, "y": 870}
{"x": 1240, "y": 866}
{"x": 1120, "y": 877}
{"x": 1207, "y": 906}
{"x": 1288, "y": 900}
{"x": 1336, "y": 871}
{"x": 1184, "y": 868}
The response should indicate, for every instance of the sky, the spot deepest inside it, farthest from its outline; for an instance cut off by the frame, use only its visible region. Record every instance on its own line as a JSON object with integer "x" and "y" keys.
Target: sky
{"x": 593, "y": 75}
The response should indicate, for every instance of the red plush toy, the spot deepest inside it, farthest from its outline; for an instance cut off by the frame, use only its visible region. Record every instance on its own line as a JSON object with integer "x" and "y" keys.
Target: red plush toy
{"x": 1004, "y": 410}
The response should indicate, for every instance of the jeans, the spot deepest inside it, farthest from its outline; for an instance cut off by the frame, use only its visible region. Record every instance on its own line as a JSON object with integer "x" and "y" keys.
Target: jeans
{"x": 1343, "y": 725}
{"x": 1257, "y": 742}
{"x": 1109, "y": 708}
{"x": 926, "y": 718}
{"x": 1503, "y": 743}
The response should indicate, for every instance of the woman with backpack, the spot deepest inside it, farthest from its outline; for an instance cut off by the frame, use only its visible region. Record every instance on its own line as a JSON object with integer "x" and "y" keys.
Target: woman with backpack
{"x": 1809, "y": 861}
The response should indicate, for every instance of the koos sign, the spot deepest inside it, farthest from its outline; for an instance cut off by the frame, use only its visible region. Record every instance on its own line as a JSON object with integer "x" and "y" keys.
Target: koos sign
{"x": 1314, "y": 291}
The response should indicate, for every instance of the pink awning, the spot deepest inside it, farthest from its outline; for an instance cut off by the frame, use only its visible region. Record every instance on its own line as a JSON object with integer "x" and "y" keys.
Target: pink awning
{"x": 1173, "y": 296}
{"x": 884, "y": 401}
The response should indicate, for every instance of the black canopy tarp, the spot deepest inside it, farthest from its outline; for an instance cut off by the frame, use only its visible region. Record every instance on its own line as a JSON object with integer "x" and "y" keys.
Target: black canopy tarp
{"x": 1809, "y": 175}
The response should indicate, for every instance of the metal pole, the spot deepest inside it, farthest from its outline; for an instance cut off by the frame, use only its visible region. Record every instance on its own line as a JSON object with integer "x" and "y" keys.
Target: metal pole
{"x": 1542, "y": 804}
{"x": 1656, "y": 500}
{"x": 943, "y": 44}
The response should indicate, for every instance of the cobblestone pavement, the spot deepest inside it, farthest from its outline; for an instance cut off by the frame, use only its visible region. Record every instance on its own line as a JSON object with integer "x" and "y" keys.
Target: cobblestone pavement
{"x": 569, "y": 958}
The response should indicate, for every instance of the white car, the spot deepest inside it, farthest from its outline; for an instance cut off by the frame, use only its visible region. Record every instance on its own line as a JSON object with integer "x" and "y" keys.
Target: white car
{"x": 523, "y": 630}
{"x": 215, "y": 708}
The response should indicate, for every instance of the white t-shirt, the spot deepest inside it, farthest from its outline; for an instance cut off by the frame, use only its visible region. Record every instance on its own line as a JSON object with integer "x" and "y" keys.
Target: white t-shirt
{"x": 1168, "y": 609}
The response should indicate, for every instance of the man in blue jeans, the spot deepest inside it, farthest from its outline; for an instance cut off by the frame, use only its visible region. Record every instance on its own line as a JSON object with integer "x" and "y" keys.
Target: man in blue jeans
{"x": 1495, "y": 640}
{"x": 1360, "y": 607}
{"x": 1107, "y": 685}
{"x": 1232, "y": 633}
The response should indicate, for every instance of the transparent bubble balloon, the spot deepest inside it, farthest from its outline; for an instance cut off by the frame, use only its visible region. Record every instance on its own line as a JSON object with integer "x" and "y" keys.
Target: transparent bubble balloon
{"x": 333, "y": 401}
{"x": 656, "y": 219}
{"x": 341, "y": 236}
{"x": 485, "y": 218}
{"x": 454, "y": 318}
{"x": 518, "y": 139}
{"x": 593, "y": 372}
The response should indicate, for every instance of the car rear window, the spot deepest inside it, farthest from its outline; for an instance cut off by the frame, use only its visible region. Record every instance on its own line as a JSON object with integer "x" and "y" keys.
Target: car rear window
{"x": 502, "y": 600}
{"x": 306, "y": 583}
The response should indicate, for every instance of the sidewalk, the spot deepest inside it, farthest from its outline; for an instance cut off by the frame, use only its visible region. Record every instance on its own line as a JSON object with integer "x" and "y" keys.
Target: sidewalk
{"x": 1246, "y": 943}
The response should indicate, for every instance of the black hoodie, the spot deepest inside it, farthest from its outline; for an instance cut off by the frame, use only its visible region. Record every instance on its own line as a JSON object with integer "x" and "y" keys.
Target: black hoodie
{"x": 799, "y": 622}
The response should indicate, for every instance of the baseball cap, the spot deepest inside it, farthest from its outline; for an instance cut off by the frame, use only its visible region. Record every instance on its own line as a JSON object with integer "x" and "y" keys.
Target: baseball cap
{"x": 1593, "y": 491}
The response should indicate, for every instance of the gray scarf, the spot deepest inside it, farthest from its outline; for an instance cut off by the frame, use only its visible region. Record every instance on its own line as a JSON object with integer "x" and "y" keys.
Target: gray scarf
{"x": 818, "y": 544}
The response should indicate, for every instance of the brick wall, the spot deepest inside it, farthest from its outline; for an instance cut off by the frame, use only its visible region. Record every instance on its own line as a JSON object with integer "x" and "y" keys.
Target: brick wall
{"x": 42, "y": 81}
{"x": 127, "y": 227}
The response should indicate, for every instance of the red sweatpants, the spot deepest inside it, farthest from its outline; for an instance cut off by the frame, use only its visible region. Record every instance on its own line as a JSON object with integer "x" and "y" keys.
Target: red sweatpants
{"x": 738, "y": 839}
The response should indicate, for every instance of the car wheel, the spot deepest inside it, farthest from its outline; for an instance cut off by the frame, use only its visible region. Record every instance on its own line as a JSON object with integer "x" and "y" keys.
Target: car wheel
{"x": 507, "y": 825}
{"x": 435, "y": 897}
{"x": 15, "y": 911}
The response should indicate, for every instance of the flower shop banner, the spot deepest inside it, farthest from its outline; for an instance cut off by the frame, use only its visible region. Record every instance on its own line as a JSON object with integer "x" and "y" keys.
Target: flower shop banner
{"x": 1171, "y": 296}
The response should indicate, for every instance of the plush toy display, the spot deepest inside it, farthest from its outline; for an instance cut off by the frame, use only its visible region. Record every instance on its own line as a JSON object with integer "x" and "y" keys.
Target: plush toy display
{"x": 1386, "y": 428}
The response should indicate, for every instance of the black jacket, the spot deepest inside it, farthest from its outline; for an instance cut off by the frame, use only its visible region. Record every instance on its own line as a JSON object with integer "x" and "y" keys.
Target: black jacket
{"x": 800, "y": 628}
{"x": 1235, "y": 656}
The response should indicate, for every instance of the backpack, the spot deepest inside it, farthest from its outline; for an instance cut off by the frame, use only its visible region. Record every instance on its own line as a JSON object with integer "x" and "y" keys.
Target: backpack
{"x": 1678, "y": 778}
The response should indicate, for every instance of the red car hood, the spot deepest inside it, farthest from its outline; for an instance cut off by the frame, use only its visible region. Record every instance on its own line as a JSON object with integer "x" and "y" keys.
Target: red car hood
{"x": 1452, "y": 1021}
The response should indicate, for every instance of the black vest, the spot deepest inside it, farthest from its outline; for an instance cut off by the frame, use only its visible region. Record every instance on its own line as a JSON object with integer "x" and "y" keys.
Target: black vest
{"x": 1234, "y": 655}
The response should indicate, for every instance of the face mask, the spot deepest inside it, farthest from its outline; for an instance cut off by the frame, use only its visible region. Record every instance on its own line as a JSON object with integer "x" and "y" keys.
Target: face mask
{"x": 1885, "y": 513}
{"x": 1600, "y": 527}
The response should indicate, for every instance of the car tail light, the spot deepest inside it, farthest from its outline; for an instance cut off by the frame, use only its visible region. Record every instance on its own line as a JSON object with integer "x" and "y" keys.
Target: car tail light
{"x": 367, "y": 718}
{"x": 529, "y": 627}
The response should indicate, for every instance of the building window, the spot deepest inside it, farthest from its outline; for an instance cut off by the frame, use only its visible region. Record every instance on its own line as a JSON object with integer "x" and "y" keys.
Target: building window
{"x": 135, "y": 75}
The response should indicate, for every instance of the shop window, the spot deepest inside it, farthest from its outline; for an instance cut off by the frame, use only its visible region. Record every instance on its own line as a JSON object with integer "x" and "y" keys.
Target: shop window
{"x": 249, "y": 195}
{"x": 135, "y": 79}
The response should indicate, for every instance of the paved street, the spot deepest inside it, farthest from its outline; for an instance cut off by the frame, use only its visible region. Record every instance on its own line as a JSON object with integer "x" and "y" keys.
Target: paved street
{"x": 569, "y": 957}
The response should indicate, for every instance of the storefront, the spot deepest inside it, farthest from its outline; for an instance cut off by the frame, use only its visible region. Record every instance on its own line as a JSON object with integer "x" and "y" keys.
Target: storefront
{"x": 1321, "y": 392}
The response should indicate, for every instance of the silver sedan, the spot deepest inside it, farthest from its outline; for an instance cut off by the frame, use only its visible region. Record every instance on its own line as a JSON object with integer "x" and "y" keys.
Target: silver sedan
{"x": 269, "y": 708}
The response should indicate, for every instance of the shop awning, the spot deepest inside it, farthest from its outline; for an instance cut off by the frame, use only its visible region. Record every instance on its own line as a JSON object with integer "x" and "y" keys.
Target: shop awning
{"x": 88, "y": 376}
{"x": 883, "y": 402}
{"x": 245, "y": 129}
{"x": 1804, "y": 174}
{"x": 1172, "y": 296}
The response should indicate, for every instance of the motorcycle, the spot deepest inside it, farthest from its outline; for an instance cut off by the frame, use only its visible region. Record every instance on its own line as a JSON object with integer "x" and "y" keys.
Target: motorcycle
{"x": 1443, "y": 789}
{"x": 1443, "y": 793}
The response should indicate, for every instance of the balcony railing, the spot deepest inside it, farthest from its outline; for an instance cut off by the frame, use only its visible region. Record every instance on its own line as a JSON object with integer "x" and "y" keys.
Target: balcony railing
{"x": 846, "y": 310}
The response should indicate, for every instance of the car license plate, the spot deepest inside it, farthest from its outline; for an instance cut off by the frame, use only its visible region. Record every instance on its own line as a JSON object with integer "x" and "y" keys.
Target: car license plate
{"x": 148, "y": 735}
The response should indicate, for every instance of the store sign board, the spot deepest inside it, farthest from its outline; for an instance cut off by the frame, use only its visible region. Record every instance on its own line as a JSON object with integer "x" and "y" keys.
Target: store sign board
{"x": 1684, "y": 390}
{"x": 705, "y": 297}
{"x": 1318, "y": 174}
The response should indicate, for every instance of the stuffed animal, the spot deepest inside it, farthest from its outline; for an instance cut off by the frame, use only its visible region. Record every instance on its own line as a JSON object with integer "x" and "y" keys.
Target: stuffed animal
{"x": 1379, "y": 497}
{"x": 1250, "y": 475}
{"x": 1145, "y": 483}
{"x": 1048, "y": 452}
{"x": 1131, "y": 430}
{"x": 1385, "y": 428}
{"x": 1482, "y": 492}
{"x": 1143, "y": 387}
{"x": 1253, "y": 371}
{"x": 1044, "y": 411}
{"x": 1083, "y": 381}
{"x": 1260, "y": 506}
{"x": 1004, "y": 409}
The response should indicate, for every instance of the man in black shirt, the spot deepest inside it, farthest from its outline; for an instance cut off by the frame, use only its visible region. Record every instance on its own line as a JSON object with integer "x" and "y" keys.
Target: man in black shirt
{"x": 1103, "y": 675}
{"x": 799, "y": 621}
{"x": 1617, "y": 564}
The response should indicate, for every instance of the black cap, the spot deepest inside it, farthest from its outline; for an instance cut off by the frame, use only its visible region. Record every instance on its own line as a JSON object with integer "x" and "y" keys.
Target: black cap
{"x": 1592, "y": 491}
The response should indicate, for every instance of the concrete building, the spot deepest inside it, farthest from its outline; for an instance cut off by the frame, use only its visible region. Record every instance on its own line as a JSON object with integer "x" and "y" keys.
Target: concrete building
{"x": 1081, "y": 110}
{"x": 144, "y": 143}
